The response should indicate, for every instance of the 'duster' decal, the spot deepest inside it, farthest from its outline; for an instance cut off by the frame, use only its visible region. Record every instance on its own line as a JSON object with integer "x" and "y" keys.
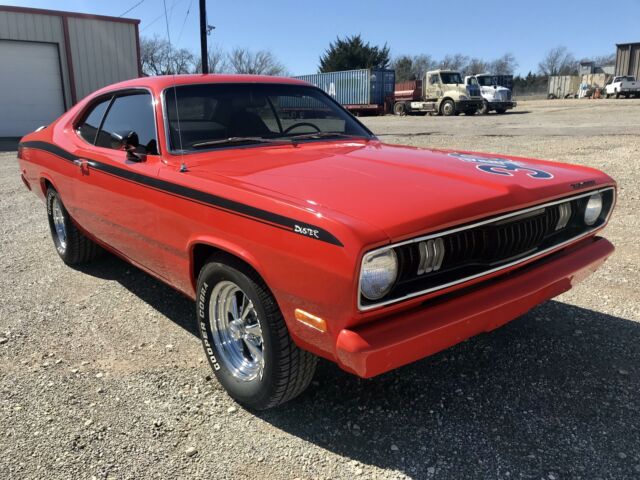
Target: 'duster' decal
{"x": 501, "y": 166}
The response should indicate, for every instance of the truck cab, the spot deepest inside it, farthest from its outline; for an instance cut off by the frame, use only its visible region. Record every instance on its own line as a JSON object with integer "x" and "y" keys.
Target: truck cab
{"x": 446, "y": 88}
{"x": 495, "y": 97}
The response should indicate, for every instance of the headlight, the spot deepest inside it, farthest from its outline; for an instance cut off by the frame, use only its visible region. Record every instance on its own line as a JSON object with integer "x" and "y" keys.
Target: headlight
{"x": 464, "y": 97}
{"x": 379, "y": 272}
{"x": 593, "y": 209}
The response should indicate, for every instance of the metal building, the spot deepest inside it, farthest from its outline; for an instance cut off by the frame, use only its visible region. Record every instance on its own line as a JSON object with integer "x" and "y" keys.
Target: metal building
{"x": 628, "y": 59}
{"x": 50, "y": 59}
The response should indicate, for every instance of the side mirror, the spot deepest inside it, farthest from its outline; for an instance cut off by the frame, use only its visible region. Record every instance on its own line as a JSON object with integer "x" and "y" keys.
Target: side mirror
{"x": 129, "y": 142}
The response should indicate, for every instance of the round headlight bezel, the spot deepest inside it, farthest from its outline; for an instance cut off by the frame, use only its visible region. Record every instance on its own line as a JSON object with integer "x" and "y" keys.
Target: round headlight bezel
{"x": 376, "y": 260}
{"x": 593, "y": 209}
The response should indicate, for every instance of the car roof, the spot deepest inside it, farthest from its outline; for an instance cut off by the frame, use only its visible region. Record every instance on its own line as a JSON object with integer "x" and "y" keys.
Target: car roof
{"x": 161, "y": 82}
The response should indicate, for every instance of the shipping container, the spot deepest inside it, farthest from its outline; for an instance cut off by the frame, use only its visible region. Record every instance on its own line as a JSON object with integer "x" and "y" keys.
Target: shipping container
{"x": 628, "y": 59}
{"x": 563, "y": 86}
{"x": 358, "y": 90}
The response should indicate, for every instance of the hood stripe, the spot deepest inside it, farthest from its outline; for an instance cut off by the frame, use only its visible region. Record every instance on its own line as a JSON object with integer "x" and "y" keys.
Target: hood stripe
{"x": 188, "y": 193}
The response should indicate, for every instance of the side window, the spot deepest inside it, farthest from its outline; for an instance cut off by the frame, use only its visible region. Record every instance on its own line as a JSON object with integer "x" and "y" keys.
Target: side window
{"x": 131, "y": 113}
{"x": 90, "y": 125}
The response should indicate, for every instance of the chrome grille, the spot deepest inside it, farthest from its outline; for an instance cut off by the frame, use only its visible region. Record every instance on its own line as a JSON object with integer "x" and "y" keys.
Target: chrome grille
{"x": 440, "y": 260}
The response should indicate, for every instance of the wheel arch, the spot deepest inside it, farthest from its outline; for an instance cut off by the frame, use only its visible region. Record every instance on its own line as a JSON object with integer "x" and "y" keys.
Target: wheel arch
{"x": 202, "y": 248}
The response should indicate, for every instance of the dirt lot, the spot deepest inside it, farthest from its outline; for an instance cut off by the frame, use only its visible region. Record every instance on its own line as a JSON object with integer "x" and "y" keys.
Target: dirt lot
{"x": 101, "y": 373}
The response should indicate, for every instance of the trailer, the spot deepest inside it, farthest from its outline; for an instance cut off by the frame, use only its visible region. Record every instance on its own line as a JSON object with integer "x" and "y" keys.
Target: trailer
{"x": 563, "y": 86}
{"x": 364, "y": 91}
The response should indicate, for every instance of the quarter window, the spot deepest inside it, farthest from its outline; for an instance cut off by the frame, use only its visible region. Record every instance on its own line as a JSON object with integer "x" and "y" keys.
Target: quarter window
{"x": 89, "y": 127}
{"x": 130, "y": 113}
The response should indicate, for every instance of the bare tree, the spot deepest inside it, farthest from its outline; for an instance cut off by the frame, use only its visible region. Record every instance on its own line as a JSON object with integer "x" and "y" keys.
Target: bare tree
{"x": 558, "y": 61}
{"x": 476, "y": 66}
{"x": 603, "y": 60}
{"x": 159, "y": 57}
{"x": 505, "y": 65}
{"x": 457, "y": 61}
{"x": 217, "y": 61}
{"x": 262, "y": 62}
{"x": 422, "y": 64}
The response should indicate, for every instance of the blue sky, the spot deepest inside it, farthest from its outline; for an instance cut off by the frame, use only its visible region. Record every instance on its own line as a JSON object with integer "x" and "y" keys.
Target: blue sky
{"x": 299, "y": 31}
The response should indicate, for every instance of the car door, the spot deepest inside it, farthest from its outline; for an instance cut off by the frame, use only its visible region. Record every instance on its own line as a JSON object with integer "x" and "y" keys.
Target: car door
{"x": 113, "y": 197}
{"x": 433, "y": 90}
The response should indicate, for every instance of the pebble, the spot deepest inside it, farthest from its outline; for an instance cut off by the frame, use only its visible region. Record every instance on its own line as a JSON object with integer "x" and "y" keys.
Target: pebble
{"x": 622, "y": 455}
{"x": 232, "y": 409}
{"x": 99, "y": 375}
{"x": 191, "y": 451}
{"x": 622, "y": 371}
{"x": 394, "y": 448}
{"x": 88, "y": 423}
{"x": 3, "y": 340}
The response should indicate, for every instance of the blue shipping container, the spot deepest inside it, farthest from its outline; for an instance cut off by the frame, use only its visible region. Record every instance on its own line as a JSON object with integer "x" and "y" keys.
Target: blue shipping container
{"x": 355, "y": 87}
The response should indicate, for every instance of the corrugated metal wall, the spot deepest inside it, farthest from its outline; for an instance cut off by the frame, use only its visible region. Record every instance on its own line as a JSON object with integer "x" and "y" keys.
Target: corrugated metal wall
{"x": 355, "y": 87}
{"x": 37, "y": 28}
{"x": 103, "y": 52}
{"x": 628, "y": 59}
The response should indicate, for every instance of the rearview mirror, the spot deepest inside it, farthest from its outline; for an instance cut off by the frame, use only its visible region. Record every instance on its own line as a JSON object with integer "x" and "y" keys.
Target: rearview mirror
{"x": 129, "y": 142}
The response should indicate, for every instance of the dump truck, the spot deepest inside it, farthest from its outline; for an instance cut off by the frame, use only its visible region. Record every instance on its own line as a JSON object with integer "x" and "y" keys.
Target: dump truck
{"x": 440, "y": 92}
{"x": 496, "y": 96}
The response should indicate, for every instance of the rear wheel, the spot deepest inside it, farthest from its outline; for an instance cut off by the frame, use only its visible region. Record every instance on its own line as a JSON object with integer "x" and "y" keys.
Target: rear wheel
{"x": 484, "y": 110}
{"x": 448, "y": 108}
{"x": 246, "y": 339}
{"x": 71, "y": 244}
{"x": 400, "y": 109}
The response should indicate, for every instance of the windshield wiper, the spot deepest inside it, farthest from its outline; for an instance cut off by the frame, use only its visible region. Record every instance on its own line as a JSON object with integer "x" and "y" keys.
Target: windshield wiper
{"x": 223, "y": 141}
{"x": 304, "y": 136}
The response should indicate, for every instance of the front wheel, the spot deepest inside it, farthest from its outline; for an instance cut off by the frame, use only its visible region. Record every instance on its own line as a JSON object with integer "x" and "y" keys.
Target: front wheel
{"x": 448, "y": 108}
{"x": 400, "y": 109}
{"x": 71, "y": 244}
{"x": 484, "y": 110}
{"x": 246, "y": 339}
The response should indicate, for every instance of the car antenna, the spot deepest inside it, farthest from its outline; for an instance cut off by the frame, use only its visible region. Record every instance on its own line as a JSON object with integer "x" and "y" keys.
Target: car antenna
{"x": 183, "y": 166}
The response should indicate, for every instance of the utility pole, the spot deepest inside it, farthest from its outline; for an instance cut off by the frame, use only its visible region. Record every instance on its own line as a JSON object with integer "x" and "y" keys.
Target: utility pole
{"x": 204, "y": 55}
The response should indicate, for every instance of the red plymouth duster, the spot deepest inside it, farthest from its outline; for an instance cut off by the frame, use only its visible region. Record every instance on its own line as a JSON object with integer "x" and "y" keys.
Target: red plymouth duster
{"x": 299, "y": 234}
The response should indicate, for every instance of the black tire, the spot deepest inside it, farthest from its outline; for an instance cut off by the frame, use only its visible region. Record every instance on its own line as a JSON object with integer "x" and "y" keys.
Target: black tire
{"x": 500, "y": 111}
{"x": 287, "y": 369}
{"x": 607, "y": 95}
{"x": 400, "y": 109}
{"x": 448, "y": 108}
{"x": 74, "y": 247}
{"x": 484, "y": 110}
{"x": 617, "y": 94}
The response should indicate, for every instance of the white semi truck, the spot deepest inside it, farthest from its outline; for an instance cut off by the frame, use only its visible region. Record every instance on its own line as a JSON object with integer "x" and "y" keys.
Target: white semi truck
{"x": 495, "y": 96}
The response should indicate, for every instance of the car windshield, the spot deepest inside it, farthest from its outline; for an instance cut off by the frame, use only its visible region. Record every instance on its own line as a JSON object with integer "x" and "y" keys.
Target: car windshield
{"x": 450, "y": 77}
{"x": 486, "y": 81}
{"x": 206, "y": 116}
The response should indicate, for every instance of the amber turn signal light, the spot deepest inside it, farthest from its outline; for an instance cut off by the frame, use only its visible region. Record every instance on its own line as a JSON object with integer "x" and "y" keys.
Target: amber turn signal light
{"x": 311, "y": 320}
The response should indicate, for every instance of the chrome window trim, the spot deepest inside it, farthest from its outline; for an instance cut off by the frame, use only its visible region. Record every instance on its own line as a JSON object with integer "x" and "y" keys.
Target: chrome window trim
{"x": 116, "y": 93}
{"x": 364, "y": 308}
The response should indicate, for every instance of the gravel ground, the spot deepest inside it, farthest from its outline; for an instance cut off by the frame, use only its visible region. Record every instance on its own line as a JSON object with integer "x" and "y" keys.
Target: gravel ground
{"x": 101, "y": 373}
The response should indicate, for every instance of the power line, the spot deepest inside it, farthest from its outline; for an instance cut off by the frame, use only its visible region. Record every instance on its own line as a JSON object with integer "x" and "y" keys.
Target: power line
{"x": 123, "y": 14}
{"x": 173, "y": 5}
{"x": 184, "y": 22}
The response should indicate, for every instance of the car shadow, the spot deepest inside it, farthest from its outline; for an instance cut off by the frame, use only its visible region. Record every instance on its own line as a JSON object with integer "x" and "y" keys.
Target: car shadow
{"x": 553, "y": 394}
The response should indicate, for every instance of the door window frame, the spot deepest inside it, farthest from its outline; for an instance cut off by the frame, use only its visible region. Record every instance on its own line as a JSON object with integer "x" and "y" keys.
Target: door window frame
{"x": 82, "y": 116}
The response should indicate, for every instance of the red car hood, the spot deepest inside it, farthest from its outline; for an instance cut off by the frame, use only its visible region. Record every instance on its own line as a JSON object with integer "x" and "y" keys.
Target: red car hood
{"x": 401, "y": 190}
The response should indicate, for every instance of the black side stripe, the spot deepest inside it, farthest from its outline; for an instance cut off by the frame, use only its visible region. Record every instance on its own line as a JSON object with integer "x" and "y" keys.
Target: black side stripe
{"x": 231, "y": 206}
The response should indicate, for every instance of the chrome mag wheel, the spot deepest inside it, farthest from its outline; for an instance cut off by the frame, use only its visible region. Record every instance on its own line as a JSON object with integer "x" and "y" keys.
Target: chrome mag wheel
{"x": 58, "y": 222}
{"x": 236, "y": 331}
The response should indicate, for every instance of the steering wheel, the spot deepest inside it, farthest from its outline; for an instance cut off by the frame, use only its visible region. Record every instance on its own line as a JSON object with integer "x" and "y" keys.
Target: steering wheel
{"x": 301, "y": 124}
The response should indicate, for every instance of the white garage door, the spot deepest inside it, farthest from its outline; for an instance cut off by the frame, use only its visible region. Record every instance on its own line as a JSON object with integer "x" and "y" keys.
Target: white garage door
{"x": 30, "y": 86}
